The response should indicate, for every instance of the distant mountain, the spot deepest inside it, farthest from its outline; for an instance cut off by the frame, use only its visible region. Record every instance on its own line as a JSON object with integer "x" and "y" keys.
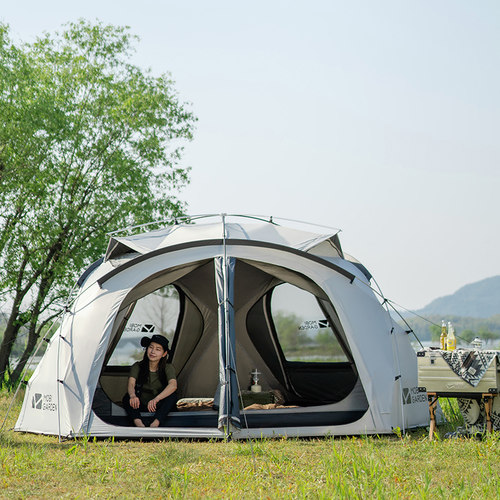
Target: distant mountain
{"x": 476, "y": 300}
{"x": 474, "y": 308}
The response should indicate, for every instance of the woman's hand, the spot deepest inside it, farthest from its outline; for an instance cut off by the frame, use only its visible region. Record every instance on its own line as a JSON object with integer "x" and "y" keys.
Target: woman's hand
{"x": 135, "y": 402}
{"x": 152, "y": 405}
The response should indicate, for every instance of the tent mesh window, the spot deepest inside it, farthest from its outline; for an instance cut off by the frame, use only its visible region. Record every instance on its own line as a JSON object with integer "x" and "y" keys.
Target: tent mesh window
{"x": 156, "y": 313}
{"x": 303, "y": 330}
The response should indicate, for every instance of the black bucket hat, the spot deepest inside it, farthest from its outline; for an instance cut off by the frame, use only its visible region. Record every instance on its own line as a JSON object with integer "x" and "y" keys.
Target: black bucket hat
{"x": 159, "y": 339}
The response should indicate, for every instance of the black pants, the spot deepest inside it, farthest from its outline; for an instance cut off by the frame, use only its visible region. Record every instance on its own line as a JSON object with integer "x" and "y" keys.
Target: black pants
{"x": 163, "y": 407}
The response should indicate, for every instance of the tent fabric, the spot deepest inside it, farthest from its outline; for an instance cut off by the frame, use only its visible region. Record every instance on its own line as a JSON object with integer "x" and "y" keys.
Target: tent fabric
{"x": 220, "y": 242}
{"x": 225, "y": 274}
{"x": 228, "y": 385}
{"x": 182, "y": 234}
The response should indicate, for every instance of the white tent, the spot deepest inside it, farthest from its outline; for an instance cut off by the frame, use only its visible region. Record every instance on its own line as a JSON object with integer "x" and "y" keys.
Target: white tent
{"x": 229, "y": 277}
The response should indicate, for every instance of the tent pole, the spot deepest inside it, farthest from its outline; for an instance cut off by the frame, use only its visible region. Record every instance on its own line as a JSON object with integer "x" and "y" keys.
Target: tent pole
{"x": 57, "y": 385}
{"x": 229, "y": 368}
{"x": 227, "y": 429}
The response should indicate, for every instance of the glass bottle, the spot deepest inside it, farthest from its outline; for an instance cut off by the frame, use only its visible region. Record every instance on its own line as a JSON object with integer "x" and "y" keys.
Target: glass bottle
{"x": 451, "y": 341}
{"x": 442, "y": 338}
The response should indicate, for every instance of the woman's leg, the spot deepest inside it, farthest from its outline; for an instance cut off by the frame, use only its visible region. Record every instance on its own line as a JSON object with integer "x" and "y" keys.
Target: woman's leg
{"x": 163, "y": 407}
{"x": 134, "y": 414}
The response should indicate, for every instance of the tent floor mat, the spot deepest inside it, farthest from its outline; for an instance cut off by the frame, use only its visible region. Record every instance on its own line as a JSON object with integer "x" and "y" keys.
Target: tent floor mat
{"x": 251, "y": 419}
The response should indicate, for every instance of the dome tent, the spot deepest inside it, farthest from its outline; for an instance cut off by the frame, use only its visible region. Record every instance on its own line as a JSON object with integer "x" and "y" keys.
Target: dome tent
{"x": 226, "y": 275}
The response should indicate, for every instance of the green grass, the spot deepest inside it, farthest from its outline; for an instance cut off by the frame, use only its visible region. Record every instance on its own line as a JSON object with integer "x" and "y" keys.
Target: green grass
{"x": 356, "y": 467}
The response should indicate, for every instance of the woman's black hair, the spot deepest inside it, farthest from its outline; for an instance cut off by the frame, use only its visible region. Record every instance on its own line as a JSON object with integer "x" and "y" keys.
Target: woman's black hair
{"x": 144, "y": 371}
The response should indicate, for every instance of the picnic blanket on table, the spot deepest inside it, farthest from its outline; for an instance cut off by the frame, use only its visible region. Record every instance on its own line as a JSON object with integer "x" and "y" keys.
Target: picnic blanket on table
{"x": 469, "y": 365}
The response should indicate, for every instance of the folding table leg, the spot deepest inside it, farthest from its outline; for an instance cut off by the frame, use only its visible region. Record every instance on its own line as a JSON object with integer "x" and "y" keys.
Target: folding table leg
{"x": 432, "y": 398}
{"x": 488, "y": 405}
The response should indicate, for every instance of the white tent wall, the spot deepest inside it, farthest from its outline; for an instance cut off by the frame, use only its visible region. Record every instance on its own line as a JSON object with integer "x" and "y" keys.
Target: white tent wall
{"x": 42, "y": 411}
{"x": 410, "y": 407}
{"x": 389, "y": 345}
{"x": 368, "y": 333}
{"x": 69, "y": 370}
{"x": 383, "y": 357}
{"x": 86, "y": 353}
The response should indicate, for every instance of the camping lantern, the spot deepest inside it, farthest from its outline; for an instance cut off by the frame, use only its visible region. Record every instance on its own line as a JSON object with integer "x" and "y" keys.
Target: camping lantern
{"x": 255, "y": 387}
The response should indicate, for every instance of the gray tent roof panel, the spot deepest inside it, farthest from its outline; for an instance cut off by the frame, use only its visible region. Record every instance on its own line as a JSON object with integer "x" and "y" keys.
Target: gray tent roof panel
{"x": 181, "y": 234}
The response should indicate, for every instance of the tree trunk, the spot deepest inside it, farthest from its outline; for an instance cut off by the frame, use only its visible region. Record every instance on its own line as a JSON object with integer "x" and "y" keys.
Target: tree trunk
{"x": 14, "y": 322}
{"x": 34, "y": 332}
{"x": 30, "y": 346}
{"x": 9, "y": 337}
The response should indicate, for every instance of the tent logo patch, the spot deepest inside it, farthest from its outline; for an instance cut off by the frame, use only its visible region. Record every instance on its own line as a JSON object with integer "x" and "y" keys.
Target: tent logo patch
{"x": 314, "y": 324}
{"x": 139, "y": 328}
{"x": 43, "y": 402}
{"x": 36, "y": 402}
{"x": 412, "y": 395}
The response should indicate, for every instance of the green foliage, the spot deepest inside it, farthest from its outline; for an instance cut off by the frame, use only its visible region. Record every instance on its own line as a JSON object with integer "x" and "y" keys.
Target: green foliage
{"x": 88, "y": 143}
{"x": 435, "y": 332}
{"x": 483, "y": 333}
{"x": 287, "y": 326}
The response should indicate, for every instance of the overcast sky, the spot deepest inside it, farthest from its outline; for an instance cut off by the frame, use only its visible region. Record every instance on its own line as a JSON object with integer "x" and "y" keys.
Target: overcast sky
{"x": 378, "y": 118}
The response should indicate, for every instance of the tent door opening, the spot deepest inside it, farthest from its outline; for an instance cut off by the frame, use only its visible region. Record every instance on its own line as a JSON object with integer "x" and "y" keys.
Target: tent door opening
{"x": 302, "y": 355}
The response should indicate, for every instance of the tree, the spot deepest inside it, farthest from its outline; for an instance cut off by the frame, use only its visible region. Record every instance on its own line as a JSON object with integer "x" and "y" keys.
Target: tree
{"x": 88, "y": 142}
{"x": 435, "y": 333}
{"x": 291, "y": 337}
{"x": 483, "y": 333}
{"x": 162, "y": 307}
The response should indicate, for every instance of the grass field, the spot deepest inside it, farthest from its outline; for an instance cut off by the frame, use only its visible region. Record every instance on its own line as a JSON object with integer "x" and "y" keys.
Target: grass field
{"x": 409, "y": 466}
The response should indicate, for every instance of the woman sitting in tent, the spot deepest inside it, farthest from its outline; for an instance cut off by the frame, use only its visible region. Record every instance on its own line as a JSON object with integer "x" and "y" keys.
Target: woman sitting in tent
{"x": 152, "y": 384}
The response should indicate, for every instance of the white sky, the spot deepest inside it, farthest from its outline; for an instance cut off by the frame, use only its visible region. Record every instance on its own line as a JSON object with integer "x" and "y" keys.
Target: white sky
{"x": 380, "y": 118}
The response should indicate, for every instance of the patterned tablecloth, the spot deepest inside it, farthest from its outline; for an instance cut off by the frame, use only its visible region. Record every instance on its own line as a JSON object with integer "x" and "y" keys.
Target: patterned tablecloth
{"x": 469, "y": 365}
